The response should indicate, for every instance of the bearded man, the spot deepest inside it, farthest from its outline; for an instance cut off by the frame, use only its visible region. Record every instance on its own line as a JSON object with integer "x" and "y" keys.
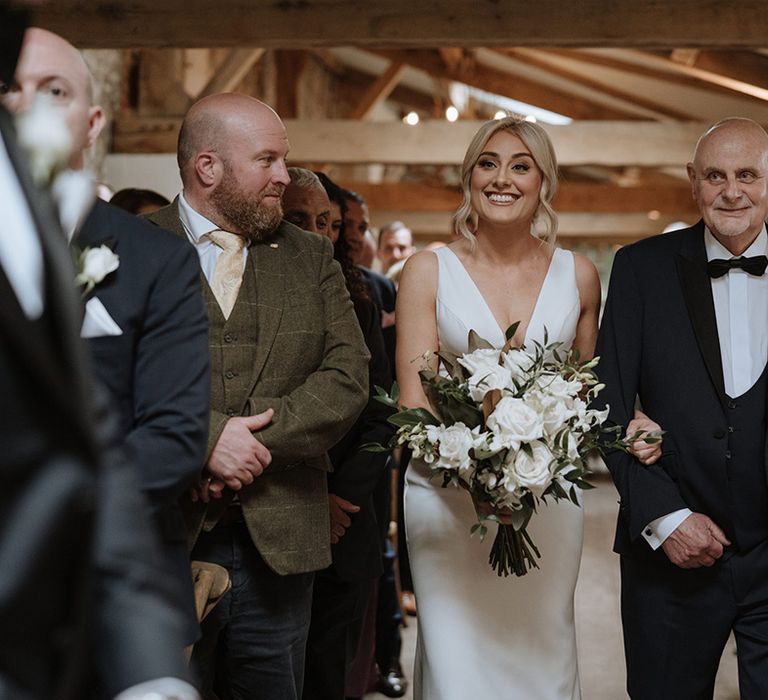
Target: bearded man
{"x": 290, "y": 376}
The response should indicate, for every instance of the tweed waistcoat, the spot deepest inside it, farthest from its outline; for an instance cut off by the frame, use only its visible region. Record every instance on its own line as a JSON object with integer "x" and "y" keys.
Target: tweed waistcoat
{"x": 231, "y": 343}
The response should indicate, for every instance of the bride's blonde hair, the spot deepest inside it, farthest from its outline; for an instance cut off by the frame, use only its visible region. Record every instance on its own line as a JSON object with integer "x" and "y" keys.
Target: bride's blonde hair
{"x": 544, "y": 225}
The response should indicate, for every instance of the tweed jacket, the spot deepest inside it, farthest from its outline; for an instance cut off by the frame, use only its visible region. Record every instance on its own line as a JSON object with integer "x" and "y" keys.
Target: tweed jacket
{"x": 292, "y": 343}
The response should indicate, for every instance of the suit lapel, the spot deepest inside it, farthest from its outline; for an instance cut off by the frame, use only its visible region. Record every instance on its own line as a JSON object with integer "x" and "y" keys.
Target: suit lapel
{"x": 697, "y": 290}
{"x": 267, "y": 260}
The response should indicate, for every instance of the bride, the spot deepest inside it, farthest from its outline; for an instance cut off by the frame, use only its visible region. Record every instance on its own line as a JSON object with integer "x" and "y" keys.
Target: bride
{"x": 482, "y": 636}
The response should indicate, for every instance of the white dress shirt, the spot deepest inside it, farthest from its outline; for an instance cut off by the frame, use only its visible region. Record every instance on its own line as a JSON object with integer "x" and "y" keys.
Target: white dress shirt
{"x": 21, "y": 254}
{"x": 196, "y": 227}
{"x": 741, "y": 310}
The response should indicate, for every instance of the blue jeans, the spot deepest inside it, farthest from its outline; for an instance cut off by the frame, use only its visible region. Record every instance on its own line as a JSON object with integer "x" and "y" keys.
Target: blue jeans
{"x": 254, "y": 640}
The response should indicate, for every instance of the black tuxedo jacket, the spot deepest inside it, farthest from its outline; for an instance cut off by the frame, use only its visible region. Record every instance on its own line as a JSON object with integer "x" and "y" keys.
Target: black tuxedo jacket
{"x": 157, "y": 372}
{"x": 658, "y": 341}
{"x": 82, "y": 613}
{"x": 357, "y": 556}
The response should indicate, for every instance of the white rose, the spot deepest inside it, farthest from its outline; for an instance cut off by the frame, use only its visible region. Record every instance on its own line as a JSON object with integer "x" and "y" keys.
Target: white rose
{"x": 533, "y": 471}
{"x": 556, "y": 415}
{"x": 97, "y": 264}
{"x": 454, "y": 444}
{"x": 559, "y": 388}
{"x": 485, "y": 372}
{"x": 513, "y": 421}
{"x": 517, "y": 362}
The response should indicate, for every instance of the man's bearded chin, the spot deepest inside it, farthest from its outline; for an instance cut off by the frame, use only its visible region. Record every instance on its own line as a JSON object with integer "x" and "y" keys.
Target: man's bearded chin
{"x": 247, "y": 214}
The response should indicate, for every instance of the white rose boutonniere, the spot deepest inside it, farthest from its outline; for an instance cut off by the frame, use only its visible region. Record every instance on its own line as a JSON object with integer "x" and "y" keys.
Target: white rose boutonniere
{"x": 93, "y": 265}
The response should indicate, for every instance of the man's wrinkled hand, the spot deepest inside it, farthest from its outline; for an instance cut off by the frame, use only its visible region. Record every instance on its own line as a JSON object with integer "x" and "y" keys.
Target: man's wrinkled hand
{"x": 696, "y": 542}
{"x": 238, "y": 457}
{"x": 340, "y": 509}
{"x": 646, "y": 453}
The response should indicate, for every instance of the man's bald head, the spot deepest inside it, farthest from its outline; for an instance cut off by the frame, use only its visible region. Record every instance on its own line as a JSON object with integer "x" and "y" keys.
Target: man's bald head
{"x": 212, "y": 121}
{"x": 729, "y": 178}
{"x": 231, "y": 156}
{"x": 51, "y": 67}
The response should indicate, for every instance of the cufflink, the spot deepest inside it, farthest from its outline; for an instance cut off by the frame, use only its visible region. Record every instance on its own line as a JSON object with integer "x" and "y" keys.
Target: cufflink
{"x": 648, "y": 531}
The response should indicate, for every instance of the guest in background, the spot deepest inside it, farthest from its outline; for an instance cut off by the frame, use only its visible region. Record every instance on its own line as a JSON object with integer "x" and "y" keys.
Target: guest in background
{"x": 291, "y": 378}
{"x": 137, "y": 201}
{"x": 395, "y": 245}
{"x": 144, "y": 323}
{"x": 342, "y": 591}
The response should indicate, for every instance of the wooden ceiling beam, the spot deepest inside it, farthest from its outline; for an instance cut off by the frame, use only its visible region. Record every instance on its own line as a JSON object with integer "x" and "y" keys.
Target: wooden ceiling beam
{"x": 536, "y": 58}
{"x": 571, "y": 197}
{"x": 436, "y": 142}
{"x": 747, "y": 66}
{"x": 231, "y": 72}
{"x": 709, "y": 77}
{"x": 507, "y": 84}
{"x": 379, "y": 91}
{"x": 665, "y": 71}
{"x": 404, "y": 23}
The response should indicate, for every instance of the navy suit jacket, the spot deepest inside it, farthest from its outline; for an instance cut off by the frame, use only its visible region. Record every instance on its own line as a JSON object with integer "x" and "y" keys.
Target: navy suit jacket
{"x": 157, "y": 372}
{"x": 659, "y": 342}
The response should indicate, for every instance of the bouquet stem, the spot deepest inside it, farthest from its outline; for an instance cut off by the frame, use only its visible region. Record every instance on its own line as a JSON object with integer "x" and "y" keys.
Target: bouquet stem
{"x": 513, "y": 551}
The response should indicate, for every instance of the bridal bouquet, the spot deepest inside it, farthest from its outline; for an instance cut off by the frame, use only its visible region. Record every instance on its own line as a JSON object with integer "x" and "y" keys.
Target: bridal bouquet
{"x": 513, "y": 427}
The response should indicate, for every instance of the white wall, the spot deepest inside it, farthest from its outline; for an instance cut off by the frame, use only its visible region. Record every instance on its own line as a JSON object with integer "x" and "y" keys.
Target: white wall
{"x": 154, "y": 171}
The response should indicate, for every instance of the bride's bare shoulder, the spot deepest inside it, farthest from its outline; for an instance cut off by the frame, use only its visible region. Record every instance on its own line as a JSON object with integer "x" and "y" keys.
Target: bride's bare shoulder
{"x": 587, "y": 278}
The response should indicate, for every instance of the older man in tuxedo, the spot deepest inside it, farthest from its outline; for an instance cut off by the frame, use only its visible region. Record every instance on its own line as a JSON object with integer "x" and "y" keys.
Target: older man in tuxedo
{"x": 290, "y": 378}
{"x": 81, "y": 613}
{"x": 145, "y": 323}
{"x": 685, "y": 331}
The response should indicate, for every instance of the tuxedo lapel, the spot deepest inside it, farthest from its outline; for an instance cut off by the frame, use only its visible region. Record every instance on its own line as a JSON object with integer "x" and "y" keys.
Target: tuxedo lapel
{"x": 697, "y": 290}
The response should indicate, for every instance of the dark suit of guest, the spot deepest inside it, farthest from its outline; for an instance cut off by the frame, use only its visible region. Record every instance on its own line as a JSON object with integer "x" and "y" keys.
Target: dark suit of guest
{"x": 659, "y": 342}
{"x": 291, "y": 343}
{"x": 156, "y": 371}
{"x": 80, "y": 611}
{"x": 384, "y": 295}
{"x": 341, "y": 591}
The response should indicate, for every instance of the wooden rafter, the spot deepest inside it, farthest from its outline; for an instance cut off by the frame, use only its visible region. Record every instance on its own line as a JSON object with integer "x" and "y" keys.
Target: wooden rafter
{"x": 434, "y": 142}
{"x": 536, "y": 58}
{"x": 232, "y": 71}
{"x": 707, "y": 76}
{"x": 664, "y": 71}
{"x": 508, "y": 85}
{"x": 404, "y": 23}
{"x": 379, "y": 91}
{"x": 571, "y": 197}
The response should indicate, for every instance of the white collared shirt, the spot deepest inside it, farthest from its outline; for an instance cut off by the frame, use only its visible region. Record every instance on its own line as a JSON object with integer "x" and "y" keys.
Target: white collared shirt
{"x": 741, "y": 312}
{"x": 196, "y": 227}
{"x": 21, "y": 253}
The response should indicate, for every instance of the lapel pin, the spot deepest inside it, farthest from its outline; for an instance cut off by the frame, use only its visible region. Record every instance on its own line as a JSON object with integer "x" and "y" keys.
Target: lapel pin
{"x": 273, "y": 245}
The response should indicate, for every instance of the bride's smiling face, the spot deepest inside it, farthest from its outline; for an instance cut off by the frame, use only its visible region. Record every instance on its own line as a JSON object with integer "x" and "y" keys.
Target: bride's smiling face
{"x": 505, "y": 182}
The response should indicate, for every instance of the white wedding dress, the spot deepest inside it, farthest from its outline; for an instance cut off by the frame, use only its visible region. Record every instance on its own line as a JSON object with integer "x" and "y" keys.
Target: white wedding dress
{"x": 481, "y": 636}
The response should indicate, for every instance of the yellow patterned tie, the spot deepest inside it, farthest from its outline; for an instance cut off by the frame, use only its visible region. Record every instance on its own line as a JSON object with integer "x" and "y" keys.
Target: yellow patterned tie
{"x": 228, "y": 273}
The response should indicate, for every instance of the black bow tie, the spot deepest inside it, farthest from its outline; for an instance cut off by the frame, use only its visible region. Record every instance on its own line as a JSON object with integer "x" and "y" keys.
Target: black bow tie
{"x": 754, "y": 266}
